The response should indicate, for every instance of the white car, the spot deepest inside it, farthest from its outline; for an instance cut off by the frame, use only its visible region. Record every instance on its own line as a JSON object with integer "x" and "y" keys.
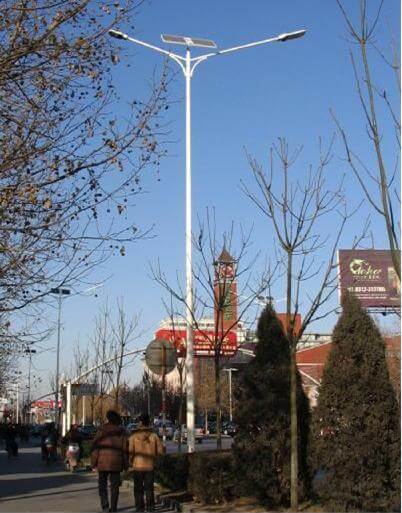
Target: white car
{"x": 199, "y": 433}
{"x": 169, "y": 430}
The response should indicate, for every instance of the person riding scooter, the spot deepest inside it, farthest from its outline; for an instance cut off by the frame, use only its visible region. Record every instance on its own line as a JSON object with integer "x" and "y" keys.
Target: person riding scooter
{"x": 49, "y": 443}
{"x": 73, "y": 447}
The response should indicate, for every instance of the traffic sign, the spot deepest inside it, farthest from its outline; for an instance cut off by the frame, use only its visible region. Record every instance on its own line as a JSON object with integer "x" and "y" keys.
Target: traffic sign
{"x": 160, "y": 356}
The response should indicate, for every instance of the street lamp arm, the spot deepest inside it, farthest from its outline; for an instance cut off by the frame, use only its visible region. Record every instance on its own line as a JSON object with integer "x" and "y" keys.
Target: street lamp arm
{"x": 120, "y": 35}
{"x": 281, "y": 38}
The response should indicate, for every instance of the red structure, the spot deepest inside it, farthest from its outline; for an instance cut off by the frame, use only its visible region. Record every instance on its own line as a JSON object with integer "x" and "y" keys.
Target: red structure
{"x": 225, "y": 316}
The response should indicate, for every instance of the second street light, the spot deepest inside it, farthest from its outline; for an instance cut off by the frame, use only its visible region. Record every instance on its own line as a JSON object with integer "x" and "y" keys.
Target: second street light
{"x": 60, "y": 293}
{"x": 188, "y": 65}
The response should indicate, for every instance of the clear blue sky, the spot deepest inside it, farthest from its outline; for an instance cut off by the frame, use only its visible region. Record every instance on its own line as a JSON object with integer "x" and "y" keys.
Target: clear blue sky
{"x": 246, "y": 99}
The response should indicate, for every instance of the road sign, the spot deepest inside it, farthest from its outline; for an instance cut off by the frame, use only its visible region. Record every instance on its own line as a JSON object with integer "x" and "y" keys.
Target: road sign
{"x": 160, "y": 356}
{"x": 80, "y": 389}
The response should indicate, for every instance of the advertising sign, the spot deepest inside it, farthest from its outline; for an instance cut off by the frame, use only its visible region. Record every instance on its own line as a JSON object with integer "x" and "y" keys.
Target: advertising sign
{"x": 202, "y": 341}
{"x": 81, "y": 389}
{"x": 370, "y": 275}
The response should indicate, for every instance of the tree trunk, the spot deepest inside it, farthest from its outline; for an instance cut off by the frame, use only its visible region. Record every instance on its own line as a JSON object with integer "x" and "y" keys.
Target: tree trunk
{"x": 294, "y": 463}
{"x": 293, "y": 397}
{"x": 218, "y": 404}
{"x": 384, "y": 188}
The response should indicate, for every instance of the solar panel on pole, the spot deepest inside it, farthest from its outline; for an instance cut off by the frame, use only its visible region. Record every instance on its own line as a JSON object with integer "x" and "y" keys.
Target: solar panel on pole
{"x": 188, "y": 41}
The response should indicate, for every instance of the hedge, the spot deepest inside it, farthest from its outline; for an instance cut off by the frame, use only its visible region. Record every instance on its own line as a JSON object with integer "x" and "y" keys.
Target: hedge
{"x": 208, "y": 476}
{"x": 172, "y": 471}
{"x": 211, "y": 477}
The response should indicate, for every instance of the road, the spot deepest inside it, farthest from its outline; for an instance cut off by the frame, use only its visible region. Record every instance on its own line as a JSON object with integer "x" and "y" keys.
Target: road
{"x": 208, "y": 444}
{"x": 27, "y": 484}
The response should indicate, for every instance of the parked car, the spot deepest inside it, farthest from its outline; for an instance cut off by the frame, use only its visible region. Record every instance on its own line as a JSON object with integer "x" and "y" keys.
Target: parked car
{"x": 169, "y": 429}
{"x": 229, "y": 428}
{"x": 87, "y": 431}
{"x": 212, "y": 427}
{"x": 199, "y": 433}
{"x": 36, "y": 430}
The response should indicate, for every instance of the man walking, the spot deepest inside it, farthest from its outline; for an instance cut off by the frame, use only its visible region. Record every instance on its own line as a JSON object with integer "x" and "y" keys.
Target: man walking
{"x": 109, "y": 457}
{"x": 144, "y": 447}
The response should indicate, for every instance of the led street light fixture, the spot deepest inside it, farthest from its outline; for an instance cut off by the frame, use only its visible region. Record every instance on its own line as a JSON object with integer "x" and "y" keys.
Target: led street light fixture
{"x": 188, "y": 41}
{"x": 291, "y": 35}
{"x": 117, "y": 34}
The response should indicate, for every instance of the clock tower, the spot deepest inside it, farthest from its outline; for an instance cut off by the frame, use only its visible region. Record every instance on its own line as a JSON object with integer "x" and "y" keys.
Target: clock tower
{"x": 225, "y": 292}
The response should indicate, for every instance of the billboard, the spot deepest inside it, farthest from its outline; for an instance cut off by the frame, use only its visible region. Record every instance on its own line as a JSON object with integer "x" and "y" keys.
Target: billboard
{"x": 202, "y": 341}
{"x": 370, "y": 275}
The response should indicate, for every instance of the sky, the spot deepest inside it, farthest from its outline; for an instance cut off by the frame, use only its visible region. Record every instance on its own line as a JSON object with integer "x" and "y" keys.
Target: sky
{"x": 240, "y": 102}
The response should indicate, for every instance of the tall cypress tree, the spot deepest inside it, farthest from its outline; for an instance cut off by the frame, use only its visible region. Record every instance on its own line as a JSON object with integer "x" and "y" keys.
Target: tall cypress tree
{"x": 356, "y": 425}
{"x": 262, "y": 444}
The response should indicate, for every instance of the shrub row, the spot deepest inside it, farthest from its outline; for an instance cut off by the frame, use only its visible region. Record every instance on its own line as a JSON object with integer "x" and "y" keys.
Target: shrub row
{"x": 208, "y": 476}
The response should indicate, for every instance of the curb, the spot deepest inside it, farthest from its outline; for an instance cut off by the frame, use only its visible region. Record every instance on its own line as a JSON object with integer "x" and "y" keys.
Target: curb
{"x": 166, "y": 502}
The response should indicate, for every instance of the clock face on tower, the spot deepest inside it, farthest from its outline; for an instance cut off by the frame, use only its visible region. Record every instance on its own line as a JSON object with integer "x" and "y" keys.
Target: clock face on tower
{"x": 225, "y": 271}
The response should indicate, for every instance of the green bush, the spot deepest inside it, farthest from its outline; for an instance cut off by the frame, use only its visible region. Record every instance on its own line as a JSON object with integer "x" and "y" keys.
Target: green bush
{"x": 211, "y": 477}
{"x": 208, "y": 476}
{"x": 356, "y": 428}
{"x": 262, "y": 446}
{"x": 172, "y": 471}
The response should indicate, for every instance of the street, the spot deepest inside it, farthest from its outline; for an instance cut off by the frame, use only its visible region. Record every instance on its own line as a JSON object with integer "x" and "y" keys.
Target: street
{"x": 27, "y": 484}
{"x": 208, "y": 444}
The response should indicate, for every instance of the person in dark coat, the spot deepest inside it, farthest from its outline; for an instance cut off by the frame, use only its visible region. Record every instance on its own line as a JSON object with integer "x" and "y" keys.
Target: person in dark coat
{"x": 10, "y": 440}
{"x": 109, "y": 455}
{"x": 73, "y": 436}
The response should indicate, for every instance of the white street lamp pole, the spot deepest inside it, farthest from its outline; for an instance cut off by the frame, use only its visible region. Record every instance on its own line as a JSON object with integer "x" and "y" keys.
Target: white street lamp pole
{"x": 60, "y": 292}
{"x": 187, "y": 65}
{"x": 230, "y": 370}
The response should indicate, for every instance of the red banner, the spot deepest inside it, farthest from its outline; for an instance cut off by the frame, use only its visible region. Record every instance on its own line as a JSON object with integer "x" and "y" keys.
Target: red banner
{"x": 202, "y": 341}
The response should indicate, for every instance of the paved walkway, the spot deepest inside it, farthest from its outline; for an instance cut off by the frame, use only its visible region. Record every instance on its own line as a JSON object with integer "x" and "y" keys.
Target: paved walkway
{"x": 27, "y": 484}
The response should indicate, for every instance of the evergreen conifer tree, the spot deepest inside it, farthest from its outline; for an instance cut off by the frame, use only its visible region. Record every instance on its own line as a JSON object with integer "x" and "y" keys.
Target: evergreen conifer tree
{"x": 262, "y": 444}
{"x": 356, "y": 435}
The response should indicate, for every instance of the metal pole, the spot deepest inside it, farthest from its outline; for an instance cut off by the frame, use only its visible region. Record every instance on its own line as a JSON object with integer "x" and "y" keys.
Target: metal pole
{"x": 68, "y": 405}
{"x": 164, "y": 395}
{"x": 230, "y": 396}
{"x": 56, "y": 405}
{"x": 148, "y": 399}
{"x": 189, "y": 289}
{"x": 18, "y": 403}
{"x": 83, "y": 410}
{"x": 29, "y": 387}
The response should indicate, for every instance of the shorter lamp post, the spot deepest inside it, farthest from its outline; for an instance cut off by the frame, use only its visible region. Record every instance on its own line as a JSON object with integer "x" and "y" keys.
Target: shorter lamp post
{"x": 60, "y": 292}
{"x": 30, "y": 352}
{"x": 230, "y": 370}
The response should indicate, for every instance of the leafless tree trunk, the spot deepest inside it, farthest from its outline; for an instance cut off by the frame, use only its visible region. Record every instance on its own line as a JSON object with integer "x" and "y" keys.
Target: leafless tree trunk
{"x": 384, "y": 196}
{"x": 295, "y": 210}
{"x": 124, "y": 332}
{"x": 224, "y": 288}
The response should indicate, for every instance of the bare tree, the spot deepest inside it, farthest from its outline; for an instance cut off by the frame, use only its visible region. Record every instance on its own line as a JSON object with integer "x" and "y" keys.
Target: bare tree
{"x": 175, "y": 315}
{"x": 100, "y": 349}
{"x": 295, "y": 208}
{"x": 383, "y": 196}
{"x": 124, "y": 331}
{"x": 225, "y": 288}
{"x": 70, "y": 168}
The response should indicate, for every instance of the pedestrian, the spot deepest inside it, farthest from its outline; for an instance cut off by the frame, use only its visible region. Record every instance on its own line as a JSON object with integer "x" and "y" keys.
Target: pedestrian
{"x": 11, "y": 445}
{"x": 73, "y": 436}
{"x": 109, "y": 457}
{"x": 48, "y": 441}
{"x": 144, "y": 447}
